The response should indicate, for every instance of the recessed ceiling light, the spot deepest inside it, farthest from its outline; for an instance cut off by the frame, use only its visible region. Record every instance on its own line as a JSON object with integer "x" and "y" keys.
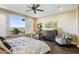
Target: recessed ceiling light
{"x": 60, "y": 8}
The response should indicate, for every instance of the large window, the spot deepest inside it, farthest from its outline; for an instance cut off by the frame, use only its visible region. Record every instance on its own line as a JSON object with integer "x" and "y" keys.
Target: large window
{"x": 17, "y": 25}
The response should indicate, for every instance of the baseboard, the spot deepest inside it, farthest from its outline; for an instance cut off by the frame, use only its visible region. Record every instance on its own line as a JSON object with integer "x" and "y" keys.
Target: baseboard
{"x": 74, "y": 43}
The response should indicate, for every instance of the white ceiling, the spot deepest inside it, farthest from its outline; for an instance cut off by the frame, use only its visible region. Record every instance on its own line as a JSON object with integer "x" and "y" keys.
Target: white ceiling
{"x": 48, "y": 9}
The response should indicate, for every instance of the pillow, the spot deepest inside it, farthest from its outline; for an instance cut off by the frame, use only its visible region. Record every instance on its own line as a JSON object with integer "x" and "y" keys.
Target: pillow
{"x": 4, "y": 47}
{"x": 5, "y": 43}
{"x": 1, "y": 38}
{"x": 66, "y": 36}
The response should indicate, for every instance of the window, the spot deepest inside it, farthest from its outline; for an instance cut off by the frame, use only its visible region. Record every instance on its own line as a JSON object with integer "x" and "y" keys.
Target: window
{"x": 17, "y": 25}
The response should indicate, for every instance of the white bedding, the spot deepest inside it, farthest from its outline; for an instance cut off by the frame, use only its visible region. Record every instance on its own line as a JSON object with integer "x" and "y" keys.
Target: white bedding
{"x": 25, "y": 45}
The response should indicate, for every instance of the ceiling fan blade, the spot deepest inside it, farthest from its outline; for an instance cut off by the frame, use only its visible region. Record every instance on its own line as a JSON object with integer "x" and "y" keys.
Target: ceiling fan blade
{"x": 37, "y": 5}
{"x": 34, "y": 11}
{"x": 39, "y": 10}
{"x": 28, "y": 10}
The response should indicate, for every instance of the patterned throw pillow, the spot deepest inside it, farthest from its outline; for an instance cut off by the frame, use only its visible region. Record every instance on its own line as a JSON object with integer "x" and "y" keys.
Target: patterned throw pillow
{"x": 4, "y": 47}
{"x": 67, "y": 37}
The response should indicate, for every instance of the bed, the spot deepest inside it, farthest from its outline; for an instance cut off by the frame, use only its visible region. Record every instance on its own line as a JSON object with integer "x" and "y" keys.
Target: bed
{"x": 26, "y": 45}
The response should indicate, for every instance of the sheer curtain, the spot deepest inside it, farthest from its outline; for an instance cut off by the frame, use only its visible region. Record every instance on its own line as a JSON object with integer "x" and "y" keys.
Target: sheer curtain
{"x": 28, "y": 25}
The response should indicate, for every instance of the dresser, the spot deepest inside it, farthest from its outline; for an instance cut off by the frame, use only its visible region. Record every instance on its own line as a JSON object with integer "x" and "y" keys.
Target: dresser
{"x": 49, "y": 34}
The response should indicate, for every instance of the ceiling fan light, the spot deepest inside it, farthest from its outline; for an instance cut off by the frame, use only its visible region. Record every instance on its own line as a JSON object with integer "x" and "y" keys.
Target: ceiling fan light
{"x": 60, "y": 8}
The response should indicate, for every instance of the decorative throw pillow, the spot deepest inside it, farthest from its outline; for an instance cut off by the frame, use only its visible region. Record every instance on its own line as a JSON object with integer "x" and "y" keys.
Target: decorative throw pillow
{"x": 67, "y": 37}
{"x": 4, "y": 47}
{"x": 2, "y": 39}
{"x": 5, "y": 43}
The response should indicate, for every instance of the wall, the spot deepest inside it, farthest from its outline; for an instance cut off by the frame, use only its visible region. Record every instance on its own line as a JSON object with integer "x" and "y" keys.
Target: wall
{"x": 66, "y": 21}
{"x": 77, "y": 25}
{"x": 34, "y": 25}
{"x": 3, "y": 24}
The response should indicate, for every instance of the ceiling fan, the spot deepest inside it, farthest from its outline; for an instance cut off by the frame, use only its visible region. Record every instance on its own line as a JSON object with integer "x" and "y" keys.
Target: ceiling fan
{"x": 34, "y": 8}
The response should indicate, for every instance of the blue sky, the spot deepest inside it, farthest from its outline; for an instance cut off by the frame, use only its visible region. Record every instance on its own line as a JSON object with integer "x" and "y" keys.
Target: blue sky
{"x": 16, "y": 21}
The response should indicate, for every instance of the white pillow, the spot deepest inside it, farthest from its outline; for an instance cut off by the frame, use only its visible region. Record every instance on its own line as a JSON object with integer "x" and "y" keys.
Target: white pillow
{"x": 3, "y": 47}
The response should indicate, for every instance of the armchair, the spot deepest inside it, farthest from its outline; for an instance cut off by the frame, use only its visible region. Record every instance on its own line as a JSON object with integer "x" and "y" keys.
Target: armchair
{"x": 64, "y": 40}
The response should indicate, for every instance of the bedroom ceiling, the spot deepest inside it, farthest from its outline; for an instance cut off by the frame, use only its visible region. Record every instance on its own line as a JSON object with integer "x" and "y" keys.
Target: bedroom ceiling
{"x": 48, "y": 9}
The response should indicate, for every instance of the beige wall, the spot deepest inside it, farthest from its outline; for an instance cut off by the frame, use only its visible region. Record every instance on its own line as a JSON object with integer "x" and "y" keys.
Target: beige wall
{"x": 78, "y": 26}
{"x": 34, "y": 25}
{"x": 65, "y": 21}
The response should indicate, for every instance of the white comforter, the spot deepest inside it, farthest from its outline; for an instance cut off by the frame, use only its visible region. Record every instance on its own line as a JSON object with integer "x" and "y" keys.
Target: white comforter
{"x": 25, "y": 45}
